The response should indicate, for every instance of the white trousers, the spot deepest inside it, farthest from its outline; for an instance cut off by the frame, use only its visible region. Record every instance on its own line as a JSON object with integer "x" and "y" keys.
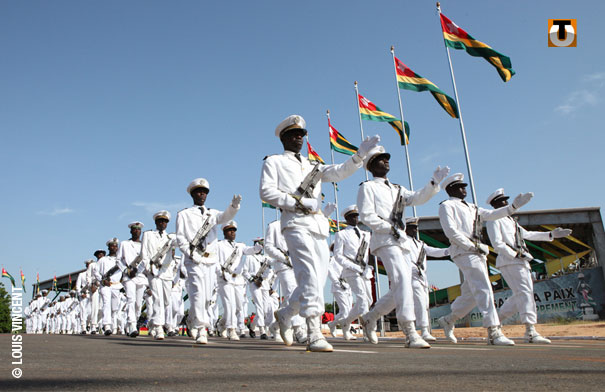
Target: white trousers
{"x": 241, "y": 309}
{"x": 94, "y": 308}
{"x": 400, "y": 295}
{"x": 260, "y": 303}
{"x": 287, "y": 284}
{"x": 134, "y": 300}
{"x": 421, "y": 301}
{"x": 178, "y": 308}
{"x": 227, "y": 294}
{"x": 161, "y": 291}
{"x": 361, "y": 290}
{"x": 310, "y": 255}
{"x": 344, "y": 299}
{"x": 518, "y": 277}
{"x": 476, "y": 290}
{"x": 196, "y": 288}
{"x": 84, "y": 312}
{"x": 111, "y": 303}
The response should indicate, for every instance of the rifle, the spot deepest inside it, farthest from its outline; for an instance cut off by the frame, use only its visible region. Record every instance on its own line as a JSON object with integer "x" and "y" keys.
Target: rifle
{"x": 258, "y": 278}
{"x": 229, "y": 262}
{"x": 108, "y": 274}
{"x": 306, "y": 188}
{"x": 361, "y": 254}
{"x": 287, "y": 256}
{"x": 200, "y": 236}
{"x": 520, "y": 246}
{"x": 131, "y": 269}
{"x": 420, "y": 260}
{"x": 476, "y": 236}
{"x": 155, "y": 260}
{"x": 343, "y": 283}
{"x": 397, "y": 215}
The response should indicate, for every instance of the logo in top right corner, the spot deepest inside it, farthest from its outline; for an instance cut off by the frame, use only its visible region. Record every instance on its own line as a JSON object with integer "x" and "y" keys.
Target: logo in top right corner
{"x": 562, "y": 33}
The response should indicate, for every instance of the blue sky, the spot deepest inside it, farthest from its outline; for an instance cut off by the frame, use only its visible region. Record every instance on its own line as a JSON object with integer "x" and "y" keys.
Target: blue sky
{"x": 110, "y": 109}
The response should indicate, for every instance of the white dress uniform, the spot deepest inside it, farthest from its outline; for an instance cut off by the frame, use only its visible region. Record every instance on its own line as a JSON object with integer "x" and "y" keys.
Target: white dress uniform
{"x": 178, "y": 306}
{"x": 341, "y": 292}
{"x": 84, "y": 279}
{"x": 110, "y": 294}
{"x": 516, "y": 271}
{"x": 229, "y": 278}
{"x": 346, "y": 246}
{"x": 420, "y": 283}
{"x": 95, "y": 298}
{"x": 260, "y": 295}
{"x": 188, "y": 222}
{"x": 277, "y": 249}
{"x": 375, "y": 200}
{"x": 135, "y": 287}
{"x": 457, "y": 218}
{"x": 161, "y": 282}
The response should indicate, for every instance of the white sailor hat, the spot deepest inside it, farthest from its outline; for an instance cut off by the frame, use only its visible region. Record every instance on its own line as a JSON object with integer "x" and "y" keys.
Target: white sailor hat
{"x": 44, "y": 291}
{"x": 138, "y": 224}
{"x": 113, "y": 240}
{"x": 161, "y": 214}
{"x": 454, "y": 179}
{"x": 198, "y": 183}
{"x": 291, "y": 122}
{"x": 88, "y": 261}
{"x": 258, "y": 239}
{"x": 413, "y": 221}
{"x": 230, "y": 224}
{"x": 498, "y": 194}
{"x": 72, "y": 291}
{"x": 350, "y": 209}
{"x": 374, "y": 153}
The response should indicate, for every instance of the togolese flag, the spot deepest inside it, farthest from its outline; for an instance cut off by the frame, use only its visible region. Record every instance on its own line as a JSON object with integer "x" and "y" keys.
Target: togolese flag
{"x": 267, "y": 205}
{"x": 334, "y": 228}
{"x": 338, "y": 142}
{"x": 369, "y": 111}
{"x": 313, "y": 156}
{"x": 55, "y": 283}
{"x": 5, "y": 274}
{"x": 457, "y": 38}
{"x": 409, "y": 80}
{"x": 23, "y": 281}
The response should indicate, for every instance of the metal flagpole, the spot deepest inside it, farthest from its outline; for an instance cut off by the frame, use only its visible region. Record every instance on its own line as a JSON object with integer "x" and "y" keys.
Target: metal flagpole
{"x": 263, "y": 232}
{"x": 468, "y": 160}
{"x": 334, "y": 184}
{"x": 407, "y": 155}
{"x": 377, "y": 280}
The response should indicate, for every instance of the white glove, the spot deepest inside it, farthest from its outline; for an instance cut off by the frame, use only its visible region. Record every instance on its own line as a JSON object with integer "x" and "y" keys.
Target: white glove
{"x": 440, "y": 173}
{"x": 197, "y": 258}
{"x": 309, "y": 203}
{"x": 257, "y": 248}
{"x": 357, "y": 268}
{"x": 526, "y": 256}
{"x": 237, "y": 199}
{"x": 402, "y": 235}
{"x": 483, "y": 249}
{"x": 368, "y": 144}
{"x": 560, "y": 233}
{"x": 329, "y": 209}
{"x": 521, "y": 200}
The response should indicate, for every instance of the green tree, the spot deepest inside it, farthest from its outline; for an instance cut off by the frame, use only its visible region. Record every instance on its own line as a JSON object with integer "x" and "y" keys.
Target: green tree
{"x": 5, "y": 313}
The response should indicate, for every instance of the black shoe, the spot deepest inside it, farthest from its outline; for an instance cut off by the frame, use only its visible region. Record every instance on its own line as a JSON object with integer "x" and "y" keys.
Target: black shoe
{"x": 252, "y": 333}
{"x": 93, "y": 332}
{"x": 134, "y": 334}
{"x": 171, "y": 333}
{"x": 242, "y": 336}
{"x": 107, "y": 332}
{"x": 263, "y": 337}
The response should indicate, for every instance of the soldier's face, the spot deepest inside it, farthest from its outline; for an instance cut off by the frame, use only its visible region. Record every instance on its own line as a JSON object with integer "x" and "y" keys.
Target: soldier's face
{"x": 113, "y": 248}
{"x": 199, "y": 196}
{"x": 292, "y": 140}
{"x": 379, "y": 167}
{"x": 411, "y": 230}
{"x": 352, "y": 219}
{"x": 229, "y": 234}
{"x": 498, "y": 203}
{"x": 458, "y": 191}
{"x": 161, "y": 224}
{"x": 135, "y": 232}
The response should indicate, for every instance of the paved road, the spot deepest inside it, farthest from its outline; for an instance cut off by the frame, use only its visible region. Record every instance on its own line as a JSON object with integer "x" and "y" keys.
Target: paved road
{"x": 59, "y": 362}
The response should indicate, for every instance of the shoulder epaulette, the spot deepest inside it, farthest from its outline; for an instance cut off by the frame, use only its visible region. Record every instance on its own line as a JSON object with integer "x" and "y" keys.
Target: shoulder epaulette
{"x": 267, "y": 156}
{"x": 363, "y": 182}
{"x": 444, "y": 201}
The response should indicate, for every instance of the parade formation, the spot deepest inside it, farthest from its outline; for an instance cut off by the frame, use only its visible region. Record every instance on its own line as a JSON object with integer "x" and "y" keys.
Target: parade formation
{"x": 294, "y": 260}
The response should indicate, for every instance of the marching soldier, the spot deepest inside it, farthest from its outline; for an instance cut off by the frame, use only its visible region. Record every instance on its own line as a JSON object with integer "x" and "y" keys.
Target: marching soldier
{"x": 158, "y": 259}
{"x": 461, "y": 223}
{"x": 197, "y": 242}
{"x": 341, "y": 291}
{"x": 258, "y": 274}
{"x": 508, "y": 240}
{"x": 230, "y": 274}
{"x": 277, "y": 249}
{"x": 133, "y": 279}
{"x": 83, "y": 286}
{"x": 95, "y": 296}
{"x": 420, "y": 284}
{"x": 108, "y": 273}
{"x": 381, "y": 207}
{"x": 351, "y": 251}
{"x": 303, "y": 225}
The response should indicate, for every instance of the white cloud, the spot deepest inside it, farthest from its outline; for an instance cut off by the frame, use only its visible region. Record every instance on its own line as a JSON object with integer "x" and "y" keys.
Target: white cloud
{"x": 56, "y": 211}
{"x": 576, "y": 100}
{"x": 595, "y": 77}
